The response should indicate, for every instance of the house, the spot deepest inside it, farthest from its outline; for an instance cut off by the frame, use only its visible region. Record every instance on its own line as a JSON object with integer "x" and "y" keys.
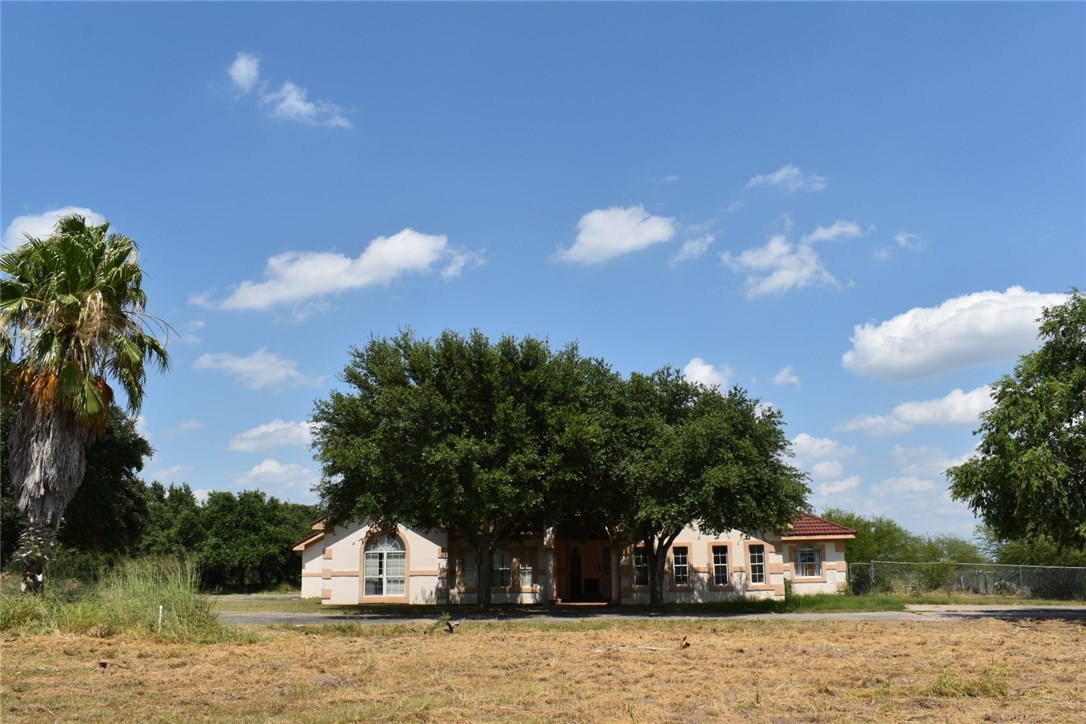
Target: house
{"x": 359, "y": 564}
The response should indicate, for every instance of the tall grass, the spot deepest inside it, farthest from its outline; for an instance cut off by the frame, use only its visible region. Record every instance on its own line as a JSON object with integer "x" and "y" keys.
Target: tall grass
{"x": 125, "y": 600}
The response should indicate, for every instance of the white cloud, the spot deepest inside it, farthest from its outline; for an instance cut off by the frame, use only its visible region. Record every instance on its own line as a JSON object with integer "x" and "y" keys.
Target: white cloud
{"x": 245, "y": 71}
{"x": 259, "y": 370}
{"x": 808, "y": 447}
{"x": 787, "y": 376}
{"x": 827, "y": 469}
{"x": 778, "y": 267}
{"x": 186, "y": 426}
{"x": 603, "y": 234}
{"x": 191, "y": 328}
{"x": 839, "y": 486}
{"x": 291, "y": 103}
{"x": 734, "y": 206}
{"x": 956, "y": 408}
{"x": 698, "y": 370}
{"x": 838, "y": 230}
{"x": 790, "y": 178}
{"x": 273, "y": 434}
{"x": 296, "y": 276}
{"x": 907, "y": 486}
{"x": 973, "y": 329}
{"x": 170, "y": 474}
{"x": 271, "y": 473}
{"x": 924, "y": 460}
{"x": 904, "y": 240}
{"x": 692, "y": 249}
{"x": 41, "y": 226}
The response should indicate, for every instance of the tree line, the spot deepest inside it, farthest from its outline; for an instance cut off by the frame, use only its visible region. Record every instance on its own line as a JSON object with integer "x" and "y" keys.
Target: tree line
{"x": 239, "y": 541}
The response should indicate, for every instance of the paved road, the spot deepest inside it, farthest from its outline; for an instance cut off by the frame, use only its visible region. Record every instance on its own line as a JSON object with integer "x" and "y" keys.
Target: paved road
{"x": 912, "y": 613}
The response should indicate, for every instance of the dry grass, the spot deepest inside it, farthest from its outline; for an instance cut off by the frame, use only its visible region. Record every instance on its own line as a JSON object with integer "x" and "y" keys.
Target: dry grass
{"x": 983, "y": 670}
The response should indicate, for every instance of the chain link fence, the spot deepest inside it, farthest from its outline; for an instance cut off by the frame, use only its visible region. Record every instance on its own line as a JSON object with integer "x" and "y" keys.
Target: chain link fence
{"x": 992, "y": 579}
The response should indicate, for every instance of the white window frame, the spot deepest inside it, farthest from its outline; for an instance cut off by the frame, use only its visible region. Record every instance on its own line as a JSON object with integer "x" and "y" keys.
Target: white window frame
{"x": 808, "y": 562}
{"x": 720, "y": 566}
{"x": 385, "y": 567}
{"x": 641, "y": 566}
{"x": 680, "y": 569}
{"x": 501, "y": 574}
{"x": 526, "y": 568}
{"x": 757, "y": 564}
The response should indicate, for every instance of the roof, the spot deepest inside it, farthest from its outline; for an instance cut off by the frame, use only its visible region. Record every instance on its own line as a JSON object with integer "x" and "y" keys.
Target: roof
{"x": 811, "y": 526}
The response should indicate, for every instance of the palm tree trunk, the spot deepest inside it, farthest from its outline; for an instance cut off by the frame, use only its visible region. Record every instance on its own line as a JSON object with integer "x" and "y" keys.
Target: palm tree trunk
{"x": 47, "y": 461}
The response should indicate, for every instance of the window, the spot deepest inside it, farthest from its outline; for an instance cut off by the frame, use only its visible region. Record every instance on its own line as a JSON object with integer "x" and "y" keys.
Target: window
{"x": 385, "y": 567}
{"x": 680, "y": 564}
{"x": 808, "y": 563}
{"x": 526, "y": 569}
{"x": 757, "y": 564}
{"x": 641, "y": 567}
{"x": 502, "y": 576}
{"x": 468, "y": 569}
{"x": 720, "y": 566}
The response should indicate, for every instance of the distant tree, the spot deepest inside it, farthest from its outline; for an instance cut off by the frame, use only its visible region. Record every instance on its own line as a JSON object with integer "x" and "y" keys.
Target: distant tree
{"x": 460, "y": 432}
{"x": 692, "y": 454}
{"x": 1038, "y": 552}
{"x": 72, "y": 309}
{"x": 249, "y": 537}
{"x": 950, "y": 548}
{"x": 174, "y": 521}
{"x": 877, "y": 538}
{"x": 1028, "y": 478}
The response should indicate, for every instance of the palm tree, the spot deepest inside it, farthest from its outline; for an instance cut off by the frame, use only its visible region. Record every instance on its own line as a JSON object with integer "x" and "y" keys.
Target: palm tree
{"x": 73, "y": 317}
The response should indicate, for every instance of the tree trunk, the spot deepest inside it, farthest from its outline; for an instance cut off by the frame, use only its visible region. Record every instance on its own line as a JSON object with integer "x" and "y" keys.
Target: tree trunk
{"x": 47, "y": 459}
{"x": 657, "y": 555}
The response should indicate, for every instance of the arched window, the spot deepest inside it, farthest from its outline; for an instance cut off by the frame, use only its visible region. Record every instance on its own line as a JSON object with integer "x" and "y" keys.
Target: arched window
{"x": 386, "y": 567}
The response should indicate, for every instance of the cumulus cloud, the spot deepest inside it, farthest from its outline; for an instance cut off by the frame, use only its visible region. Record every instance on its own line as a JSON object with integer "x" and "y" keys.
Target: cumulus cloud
{"x": 839, "y": 486}
{"x": 698, "y": 370}
{"x": 245, "y": 71}
{"x": 827, "y": 470}
{"x": 271, "y": 473}
{"x": 41, "y": 226}
{"x": 924, "y": 460}
{"x": 288, "y": 102}
{"x": 790, "y": 178}
{"x": 296, "y": 276}
{"x": 903, "y": 240}
{"x": 262, "y": 369}
{"x": 693, "y": 249}
{"x": 838, "y": 230}
{"x": 907, "y": 486}
{"x": 167, "y": 475}
{"x": 778, "y": 267}
{"x": 974, "y": 329}
{"x": 807, "y": 447}
{"x": 787, "y": 376}
{"x": 603, "y": 234}
{"x": 956, "y": 408}
{"x": 273, "y": 434}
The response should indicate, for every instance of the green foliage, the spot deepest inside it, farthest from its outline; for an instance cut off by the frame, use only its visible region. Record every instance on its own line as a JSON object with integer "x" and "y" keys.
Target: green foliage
{"x": 248, "y": 538}
{"x": 1028, "y": 478}
{"x": 691, "y": 454}
{"x": 459, "y": 432}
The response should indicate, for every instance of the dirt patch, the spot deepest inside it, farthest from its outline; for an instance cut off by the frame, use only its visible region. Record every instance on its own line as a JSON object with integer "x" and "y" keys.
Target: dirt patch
{"x": 675, "y": 670}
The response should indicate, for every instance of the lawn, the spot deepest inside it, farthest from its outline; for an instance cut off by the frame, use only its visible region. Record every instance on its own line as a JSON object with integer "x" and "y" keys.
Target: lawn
{"x": 676, "y": 669}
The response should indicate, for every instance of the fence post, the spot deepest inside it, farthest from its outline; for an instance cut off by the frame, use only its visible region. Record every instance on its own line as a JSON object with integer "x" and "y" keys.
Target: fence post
{"x": 871, "y": 575}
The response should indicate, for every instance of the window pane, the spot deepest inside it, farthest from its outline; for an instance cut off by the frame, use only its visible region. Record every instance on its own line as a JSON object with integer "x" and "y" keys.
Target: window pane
{"x": 395, "y": 586}
{"x": 720, "y": 565}
{"x": 469, "y": 569}
{"x": 680, "y": 561}
{"x": 641, "y": 567}
{"x": 526, "y": 568}
{"x": 757, "y": 564}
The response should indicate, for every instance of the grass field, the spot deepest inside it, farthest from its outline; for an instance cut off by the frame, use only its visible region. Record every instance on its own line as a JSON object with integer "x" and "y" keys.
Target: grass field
{"x": 615, "y": 670}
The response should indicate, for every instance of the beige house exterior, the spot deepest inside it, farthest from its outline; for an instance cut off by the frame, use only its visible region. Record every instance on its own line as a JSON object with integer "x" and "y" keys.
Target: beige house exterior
{"x": 358, "y": 564}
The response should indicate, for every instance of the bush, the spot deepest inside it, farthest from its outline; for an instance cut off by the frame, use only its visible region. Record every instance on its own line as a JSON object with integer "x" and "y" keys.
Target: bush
{"x": 125, "y": 600}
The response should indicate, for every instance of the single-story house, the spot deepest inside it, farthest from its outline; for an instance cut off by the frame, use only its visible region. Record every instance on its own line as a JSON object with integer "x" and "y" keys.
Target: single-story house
{"x": 359, "y": 564}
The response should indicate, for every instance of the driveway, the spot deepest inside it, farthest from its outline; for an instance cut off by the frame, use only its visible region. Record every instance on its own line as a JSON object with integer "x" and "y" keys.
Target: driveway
{"x": 912, "y": 613}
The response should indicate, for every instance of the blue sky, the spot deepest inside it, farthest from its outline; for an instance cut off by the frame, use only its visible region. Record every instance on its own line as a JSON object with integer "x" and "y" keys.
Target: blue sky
{"x": 854, "y": 211}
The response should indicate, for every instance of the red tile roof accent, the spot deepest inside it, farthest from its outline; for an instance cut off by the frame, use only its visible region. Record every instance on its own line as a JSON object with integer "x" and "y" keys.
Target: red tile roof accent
{"x": 811, "y": 526}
